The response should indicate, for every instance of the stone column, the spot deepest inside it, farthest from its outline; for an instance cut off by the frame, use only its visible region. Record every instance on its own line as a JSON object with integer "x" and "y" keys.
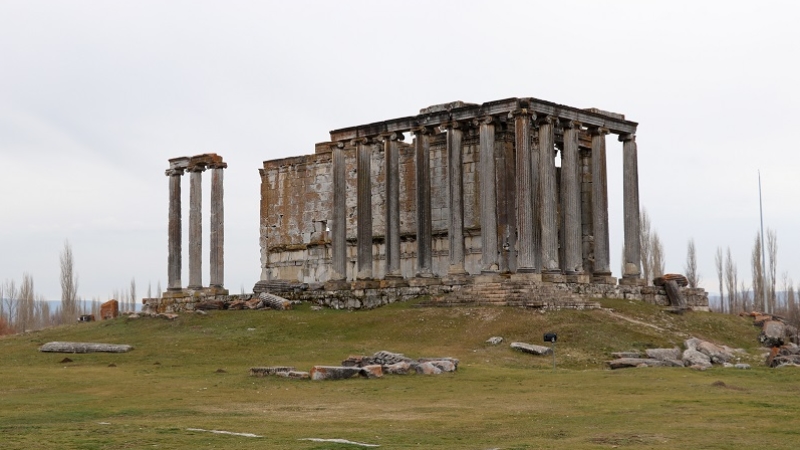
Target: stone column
{"x": 422, "y": 161}
{"x": 217, "y": 238}
{"x": 602, "y": 266}
{"x": 630, "y": 188}
{"x": 455, "y": 230}
{"x": 174, "y": 230}
{"x": 364, "y": 209}
{"x": 392, "y": 160}
{"x": 339, "y": 225}
{"x": 571, "y": 199}
{"x": 488, "y": 192}
{"x": 525, "y": 198}
{"x": 548, "y": 197}
{"x": 196, "y": 226}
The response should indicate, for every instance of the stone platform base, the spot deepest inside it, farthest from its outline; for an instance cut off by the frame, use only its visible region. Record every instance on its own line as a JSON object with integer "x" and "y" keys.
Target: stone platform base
{"x": 524, "y": 289}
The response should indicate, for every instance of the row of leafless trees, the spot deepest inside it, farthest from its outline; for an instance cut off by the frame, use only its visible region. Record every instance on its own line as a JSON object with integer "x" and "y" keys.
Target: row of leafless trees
{"x": 763, "y": 293}
{"x": 21, "y": 309}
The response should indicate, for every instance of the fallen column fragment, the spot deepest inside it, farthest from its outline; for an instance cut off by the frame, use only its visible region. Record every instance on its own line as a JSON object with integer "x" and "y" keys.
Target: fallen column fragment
{"x": 83, "y": 347}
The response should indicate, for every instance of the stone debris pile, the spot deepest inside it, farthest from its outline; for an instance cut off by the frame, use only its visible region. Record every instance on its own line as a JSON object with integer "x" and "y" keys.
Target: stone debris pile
{"x": 373, "y": 366}
{"x": 264, "y": 300}
{"x": 672, "y": 282}
{"x": 779, "y": 336}
{"x": 698, "y": 354}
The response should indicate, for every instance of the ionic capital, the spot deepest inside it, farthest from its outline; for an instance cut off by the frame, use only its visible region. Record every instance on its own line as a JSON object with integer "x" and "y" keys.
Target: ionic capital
{"x": 394, "y": 136}
{"x": 369, "y": 140}
{"x": 488, "y": 120}
{"x": 424, "y": 130}
{"x": 218, "y": 165}
{"x": 596, "y": 131}
{"x": 627, "y": 137}
{"x": 568, "y": 124}
{"x": 173, "y": 172}
{"x": 546, "y": 120}
{"x": 456, "y": 125}
{"x": 521, "y": 112}
{"x": 199, "y": 167}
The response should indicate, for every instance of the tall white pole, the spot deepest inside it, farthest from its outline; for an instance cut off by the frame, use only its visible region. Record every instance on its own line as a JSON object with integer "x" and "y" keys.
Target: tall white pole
{"x": 763, "y": 251}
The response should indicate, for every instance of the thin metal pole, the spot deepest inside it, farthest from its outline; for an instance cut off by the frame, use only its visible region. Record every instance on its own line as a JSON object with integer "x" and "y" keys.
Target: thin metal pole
{"x": 763, "y": 250}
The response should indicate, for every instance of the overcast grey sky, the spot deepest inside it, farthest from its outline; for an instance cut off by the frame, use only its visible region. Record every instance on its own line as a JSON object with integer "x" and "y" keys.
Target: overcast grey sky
{"x": 95, "y": 96}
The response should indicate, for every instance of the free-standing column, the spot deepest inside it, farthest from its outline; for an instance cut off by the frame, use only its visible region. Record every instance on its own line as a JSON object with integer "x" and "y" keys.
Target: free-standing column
{"x": 424, "y": 225}
{"x": 217, "y": 238}
{"x": 548, "y": 197}
{"x": 339, "y": 225}
{"x": 525, "y": 252}
{"x": 571, "y": 199}
{"x": 602, "y": 266}
{"x": 455, "y": 230}
{"x": 196, "y": 226}
{"x": 364, "y": 209}
{"x": 174, "y": 230}
{"x": 489, "y": 251}
{"x": 630, "y": 188}
{"x": 392, "y": 166}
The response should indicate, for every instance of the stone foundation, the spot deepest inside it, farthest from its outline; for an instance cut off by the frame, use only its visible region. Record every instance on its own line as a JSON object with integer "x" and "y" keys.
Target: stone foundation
{"x": 524, "y": 290}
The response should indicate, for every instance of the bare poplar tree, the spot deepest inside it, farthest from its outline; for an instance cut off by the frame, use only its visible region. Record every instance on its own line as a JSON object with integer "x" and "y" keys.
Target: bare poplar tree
{"x": 691, "y": 265}
{"x": 149, "y": 290}
{"x": 4, "y": 325}
{"x": 26, "y": 309}
{"x": 656, "y": 256}
{"x": 69, "y": 285}
{"x": 786, "y": 285}
{"x": 158, "y": 289}
{"x": 744, "y": 296}
{"x": 718, "y": 263}
{"x": 758, "y": 275}
{"x": 11, "y": 299}
{"x": 42, "y": 314}
{"x": 644, "y": 246}
{"x": 772, "y": 270}
{"x": 132, "y": 304}
{"x": 730, "y": 281}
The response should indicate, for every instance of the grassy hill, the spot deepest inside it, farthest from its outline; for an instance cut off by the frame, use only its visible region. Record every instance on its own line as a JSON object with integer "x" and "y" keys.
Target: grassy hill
{"x": 499, "y": 398}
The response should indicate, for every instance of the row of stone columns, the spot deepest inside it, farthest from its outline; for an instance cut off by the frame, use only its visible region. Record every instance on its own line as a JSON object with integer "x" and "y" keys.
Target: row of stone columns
{"x": 537, "y": 198}
{"x": 196, "y": 165}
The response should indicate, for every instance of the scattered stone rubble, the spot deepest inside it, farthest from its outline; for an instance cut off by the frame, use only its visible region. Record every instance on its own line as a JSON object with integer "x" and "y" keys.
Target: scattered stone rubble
{"x": 699, "y": 355}
{"x": 779, "y": 336}
{"x": 263, "y": 300}
{"x": 374, "y": 366}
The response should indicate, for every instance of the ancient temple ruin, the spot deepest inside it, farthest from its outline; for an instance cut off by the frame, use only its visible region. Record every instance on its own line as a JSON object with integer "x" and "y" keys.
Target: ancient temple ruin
{"x": 460, "y": 204}
{"x": 447, "y": 202}
{"x": 196, "y": 165}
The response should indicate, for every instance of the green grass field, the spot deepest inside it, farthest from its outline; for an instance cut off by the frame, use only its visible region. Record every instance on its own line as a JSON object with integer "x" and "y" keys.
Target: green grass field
{"x": 498, "y": 398}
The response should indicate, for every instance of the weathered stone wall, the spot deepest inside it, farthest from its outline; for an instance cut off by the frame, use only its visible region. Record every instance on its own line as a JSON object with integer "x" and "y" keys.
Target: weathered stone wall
{"x": 296, "y": 199}
{"x": 297, "y": 202}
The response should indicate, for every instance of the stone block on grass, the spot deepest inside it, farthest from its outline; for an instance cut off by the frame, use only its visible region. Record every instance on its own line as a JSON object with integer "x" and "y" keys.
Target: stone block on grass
{"x": 532, "y": 349}
{"x": 334, "y": 372}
